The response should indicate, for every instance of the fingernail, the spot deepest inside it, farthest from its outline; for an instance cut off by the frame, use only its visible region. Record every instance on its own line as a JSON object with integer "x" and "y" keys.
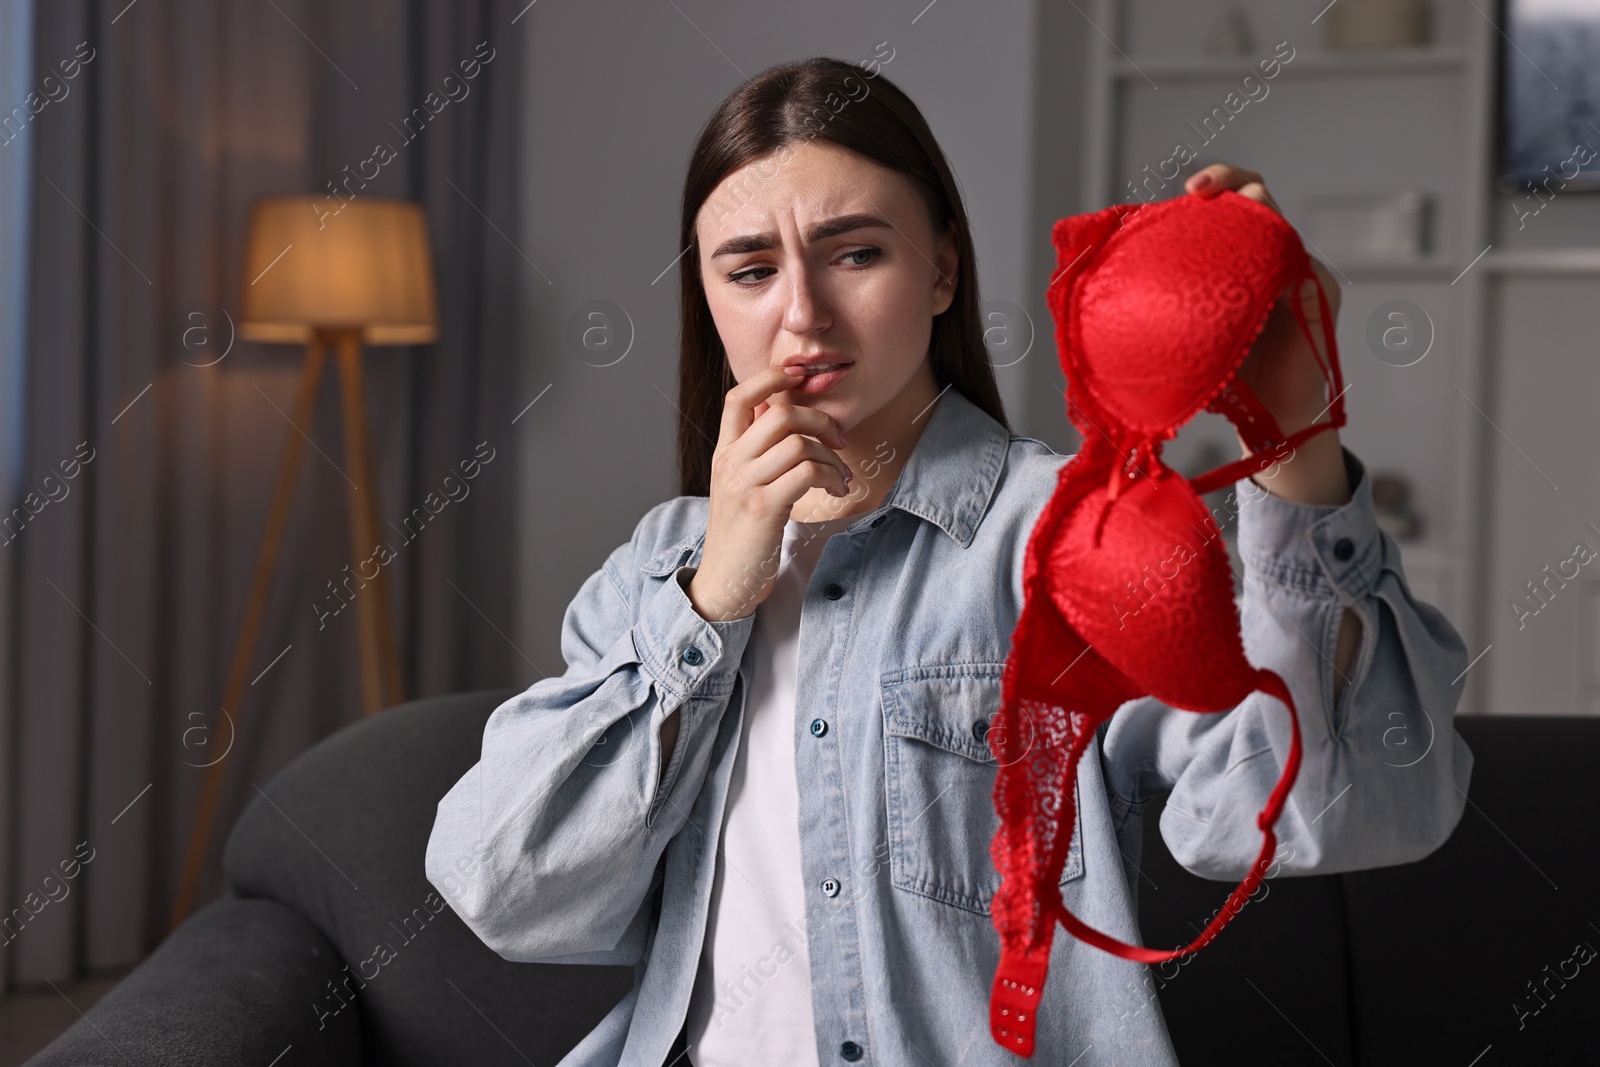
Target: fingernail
{"x": 1201, "y": 181}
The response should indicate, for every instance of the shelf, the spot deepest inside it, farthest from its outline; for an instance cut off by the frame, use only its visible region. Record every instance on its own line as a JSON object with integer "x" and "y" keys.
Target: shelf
{"x": 1426, "y": 553}
{"x": 1544, "y": 261}
{"x": 1530, "y": 261}
{"x": 1365, "y": 269}
{"x": 1433, "y": 59}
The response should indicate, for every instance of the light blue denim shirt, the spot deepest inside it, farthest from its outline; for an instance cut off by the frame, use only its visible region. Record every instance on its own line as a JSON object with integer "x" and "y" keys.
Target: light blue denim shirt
{"x": 553, "y": 846}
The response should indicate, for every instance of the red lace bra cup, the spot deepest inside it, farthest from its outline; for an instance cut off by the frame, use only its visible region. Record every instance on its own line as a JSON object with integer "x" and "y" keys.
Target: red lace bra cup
{"x": 1159, "y": 579}
{"x": 1129, "y": 590}
{"x": 1151, "y": 355}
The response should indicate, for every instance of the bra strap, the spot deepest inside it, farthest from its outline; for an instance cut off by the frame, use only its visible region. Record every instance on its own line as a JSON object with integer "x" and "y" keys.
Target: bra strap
{"x": 1257, "y": 426}
{"x": 1019, "y": 979}
{"x": 1256, "y": 461}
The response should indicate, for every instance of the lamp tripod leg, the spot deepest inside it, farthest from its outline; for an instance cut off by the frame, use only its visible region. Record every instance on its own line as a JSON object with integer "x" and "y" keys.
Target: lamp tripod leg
{"x": 250, "y": 625}
{"x": 381, "y": 682}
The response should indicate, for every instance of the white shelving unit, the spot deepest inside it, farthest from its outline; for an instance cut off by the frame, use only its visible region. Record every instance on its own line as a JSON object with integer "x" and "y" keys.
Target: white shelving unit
{"x": 1398, "y": 61}
{"x": 1335, "y": 123}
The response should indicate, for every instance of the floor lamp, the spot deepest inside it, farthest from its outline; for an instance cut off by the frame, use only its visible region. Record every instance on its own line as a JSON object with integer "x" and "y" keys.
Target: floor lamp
{"x": 331, "y": 281}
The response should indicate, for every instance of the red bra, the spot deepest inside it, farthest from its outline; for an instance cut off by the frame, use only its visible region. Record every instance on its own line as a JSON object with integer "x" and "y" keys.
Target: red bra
{"x": 1128, "y": 587}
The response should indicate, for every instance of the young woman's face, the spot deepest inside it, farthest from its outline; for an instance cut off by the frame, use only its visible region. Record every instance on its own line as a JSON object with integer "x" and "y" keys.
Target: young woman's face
{"x": 815, "y": 250}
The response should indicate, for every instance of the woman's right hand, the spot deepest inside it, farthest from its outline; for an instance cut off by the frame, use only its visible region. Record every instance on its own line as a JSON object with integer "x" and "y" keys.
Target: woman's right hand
{"x": 768, "y": 456}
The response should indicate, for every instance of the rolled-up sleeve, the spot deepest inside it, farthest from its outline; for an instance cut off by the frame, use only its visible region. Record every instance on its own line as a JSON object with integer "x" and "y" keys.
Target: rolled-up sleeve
{"x": 1383, "y": 776}
{"x": 548, "y": 847}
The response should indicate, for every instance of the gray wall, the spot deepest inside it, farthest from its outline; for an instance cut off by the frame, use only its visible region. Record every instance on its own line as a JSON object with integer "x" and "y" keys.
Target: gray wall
{"x": 617, "y": 94}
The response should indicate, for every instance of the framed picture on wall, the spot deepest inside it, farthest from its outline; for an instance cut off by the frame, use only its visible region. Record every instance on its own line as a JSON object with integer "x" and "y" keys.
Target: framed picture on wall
{"x": 1550, "y": 95}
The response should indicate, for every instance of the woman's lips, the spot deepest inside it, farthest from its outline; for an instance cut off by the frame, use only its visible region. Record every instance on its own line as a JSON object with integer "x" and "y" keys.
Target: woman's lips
{"x": 822, "y": 381}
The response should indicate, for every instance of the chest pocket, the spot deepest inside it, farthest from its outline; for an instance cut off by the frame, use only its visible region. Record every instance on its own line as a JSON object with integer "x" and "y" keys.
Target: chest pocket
{"x": 939, "y": 778}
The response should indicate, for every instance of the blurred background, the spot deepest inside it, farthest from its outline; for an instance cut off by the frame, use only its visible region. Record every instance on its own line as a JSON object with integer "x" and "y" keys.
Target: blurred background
{"x": 206, "y": 423}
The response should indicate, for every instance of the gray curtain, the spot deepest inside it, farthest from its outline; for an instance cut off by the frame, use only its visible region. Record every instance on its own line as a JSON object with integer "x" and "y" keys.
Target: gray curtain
{"x": 129, "y": 576}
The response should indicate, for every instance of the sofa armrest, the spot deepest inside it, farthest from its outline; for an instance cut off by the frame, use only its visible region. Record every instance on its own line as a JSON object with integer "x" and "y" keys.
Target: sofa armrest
{"x": 238, "y": 983}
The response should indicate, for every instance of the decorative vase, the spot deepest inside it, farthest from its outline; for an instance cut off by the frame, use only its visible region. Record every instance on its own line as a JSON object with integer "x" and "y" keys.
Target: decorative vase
{"x": 1354, "y": 25}
{"x": 1230, "y": 35}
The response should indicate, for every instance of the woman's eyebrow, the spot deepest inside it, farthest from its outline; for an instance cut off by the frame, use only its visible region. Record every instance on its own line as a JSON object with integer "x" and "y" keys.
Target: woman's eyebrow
{"x": 760, "y": 242}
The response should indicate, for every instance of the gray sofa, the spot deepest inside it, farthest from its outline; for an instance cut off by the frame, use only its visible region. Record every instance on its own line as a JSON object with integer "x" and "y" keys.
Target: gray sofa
{"x": 1434, "y": 962}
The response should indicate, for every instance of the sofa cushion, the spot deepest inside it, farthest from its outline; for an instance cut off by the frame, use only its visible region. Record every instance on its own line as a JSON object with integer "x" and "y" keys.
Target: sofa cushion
{"x": 1272, "y": 988}
{"x": 231, "y": 987}
{"x": 340, "y": 835}
{"x": 1444, "y": 950}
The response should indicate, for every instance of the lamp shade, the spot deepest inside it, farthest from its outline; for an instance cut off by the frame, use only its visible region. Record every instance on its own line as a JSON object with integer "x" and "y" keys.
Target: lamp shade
{"x": 365, "y": 265}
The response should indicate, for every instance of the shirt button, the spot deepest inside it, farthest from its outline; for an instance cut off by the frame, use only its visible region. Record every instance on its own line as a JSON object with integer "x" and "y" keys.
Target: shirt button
{"x": 830, "y": 886}
{"x": 833, "y": 591}
{"x": 850, "y": 1051}
{"x": 980, "y": 729}
{"x": 693, "y": 656}
{"x": 819, "y": 727}
{"x": 1343, "y": 549}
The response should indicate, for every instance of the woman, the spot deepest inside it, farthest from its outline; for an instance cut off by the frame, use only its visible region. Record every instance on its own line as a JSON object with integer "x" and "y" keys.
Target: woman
{"x": 781, "y": 818}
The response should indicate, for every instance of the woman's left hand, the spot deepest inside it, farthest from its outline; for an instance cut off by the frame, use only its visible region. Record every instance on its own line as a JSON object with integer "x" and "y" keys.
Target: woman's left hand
{"x": 1281, "y": 368}
{"x": 1285, "y": 377}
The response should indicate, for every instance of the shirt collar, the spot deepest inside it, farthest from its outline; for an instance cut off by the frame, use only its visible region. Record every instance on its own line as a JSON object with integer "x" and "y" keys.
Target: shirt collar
{"x": 954, "y": 468}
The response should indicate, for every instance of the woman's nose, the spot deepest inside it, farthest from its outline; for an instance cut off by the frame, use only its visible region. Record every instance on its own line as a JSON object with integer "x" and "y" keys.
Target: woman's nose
{"x": 807, "y": 308}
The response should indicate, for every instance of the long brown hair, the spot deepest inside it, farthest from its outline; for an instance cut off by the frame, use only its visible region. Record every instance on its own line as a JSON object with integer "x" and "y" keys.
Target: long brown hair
{"x": 792, "y": 103}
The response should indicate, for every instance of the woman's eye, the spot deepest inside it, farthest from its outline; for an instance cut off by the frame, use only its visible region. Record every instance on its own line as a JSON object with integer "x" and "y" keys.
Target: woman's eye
{"x": 738, "y": 277}
{"x": 856, "y": 259}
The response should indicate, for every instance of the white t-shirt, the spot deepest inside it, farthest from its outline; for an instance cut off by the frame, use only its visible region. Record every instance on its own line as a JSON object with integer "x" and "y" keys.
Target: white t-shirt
{"x": 752, "y": 993}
